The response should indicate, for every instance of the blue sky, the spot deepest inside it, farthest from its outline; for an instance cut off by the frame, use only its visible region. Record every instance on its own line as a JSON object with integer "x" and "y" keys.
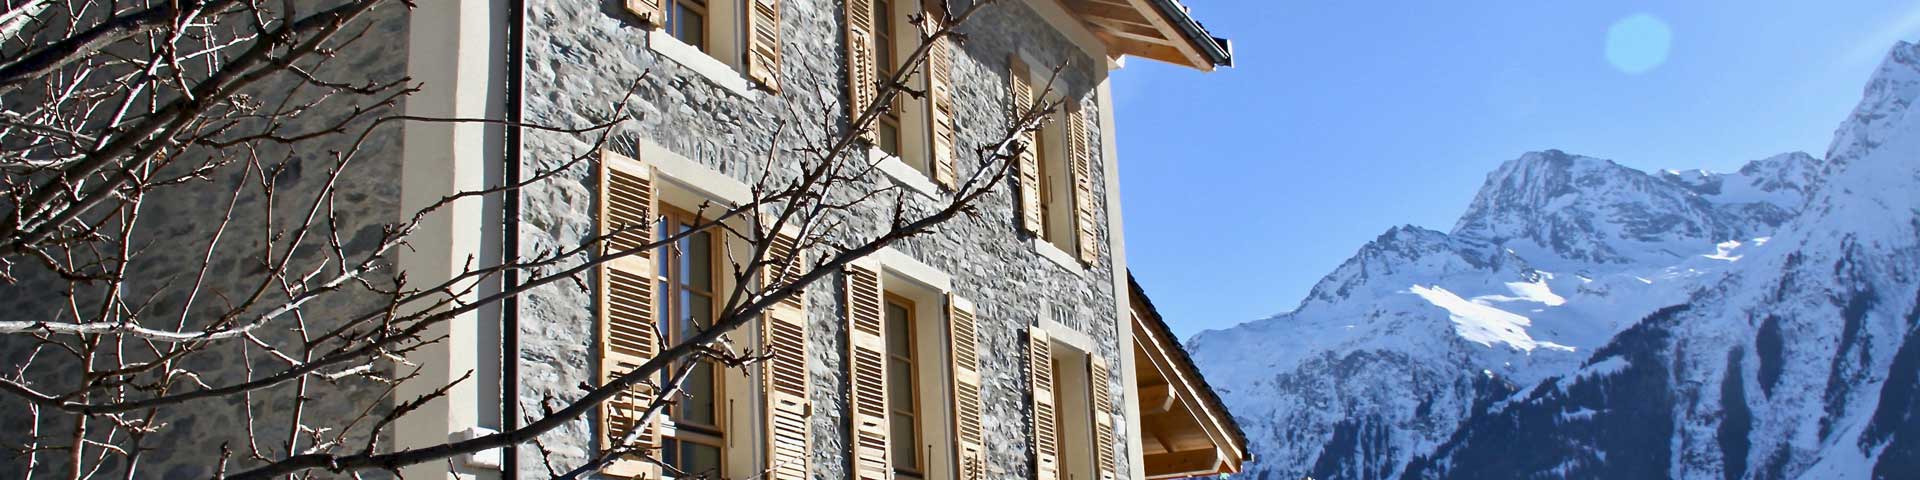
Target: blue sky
{"x": 1346, "y": 117}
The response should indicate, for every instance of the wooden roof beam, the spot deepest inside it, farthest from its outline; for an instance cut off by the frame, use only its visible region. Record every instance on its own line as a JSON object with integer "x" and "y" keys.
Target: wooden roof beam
{"x": 1183, "y": 464}
{"x": 1194, "y": 59}
{"x": 1130, "y": 30}
{"x": 1117, "y": 11}
{"x": 1156, "y": 399}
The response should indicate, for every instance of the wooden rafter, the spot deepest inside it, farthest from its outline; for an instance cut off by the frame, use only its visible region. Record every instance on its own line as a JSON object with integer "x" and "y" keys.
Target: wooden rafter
{"x": 1187, "y": 463}
{"x": 1135, "y": 27}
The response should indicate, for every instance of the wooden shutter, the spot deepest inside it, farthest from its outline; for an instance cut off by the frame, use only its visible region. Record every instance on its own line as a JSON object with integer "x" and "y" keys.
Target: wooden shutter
{"x": 784, "y": 332}
{"x": 963, "y": 340}
{"x": 1084, "y": 217}
{"x": 652, "y": 12}
{"x": 867, "y": 373}
{"x": 863, "y": 75}
{"x": 1029, "y": 156}
{"x": 1103, "y": 454}
{"x": 940, "y": 106}
{"x": 627, "y": 307}
{"x": 1046, "y": 457}
{"x": 763, "y": 43}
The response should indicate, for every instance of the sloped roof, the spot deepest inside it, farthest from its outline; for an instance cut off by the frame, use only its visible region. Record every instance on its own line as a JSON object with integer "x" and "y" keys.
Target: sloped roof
{"x": 1185, "y": 362}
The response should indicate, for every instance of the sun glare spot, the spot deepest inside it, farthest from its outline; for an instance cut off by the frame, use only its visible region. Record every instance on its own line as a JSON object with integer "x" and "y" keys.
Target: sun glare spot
{"x": 1638, "y": 43}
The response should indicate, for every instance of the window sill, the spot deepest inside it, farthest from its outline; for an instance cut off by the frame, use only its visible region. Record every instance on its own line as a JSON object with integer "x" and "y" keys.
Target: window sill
{"x": 903, "y": 174}
{"x": 715, "y": 71}
{"x": 1061, "y": 257}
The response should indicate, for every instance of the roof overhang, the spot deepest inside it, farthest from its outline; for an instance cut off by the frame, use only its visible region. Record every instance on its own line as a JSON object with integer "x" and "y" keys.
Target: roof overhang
{"x": 1186, "y": 431}
{"x": 1157, "y": 29}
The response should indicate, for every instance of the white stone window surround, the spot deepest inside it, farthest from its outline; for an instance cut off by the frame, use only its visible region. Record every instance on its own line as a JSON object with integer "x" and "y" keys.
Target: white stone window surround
{"x": 1059, "y": 257}
{"x": 697, "y": 180}
{"x": 902, "y": 174}
{"x": 713, "y": 69}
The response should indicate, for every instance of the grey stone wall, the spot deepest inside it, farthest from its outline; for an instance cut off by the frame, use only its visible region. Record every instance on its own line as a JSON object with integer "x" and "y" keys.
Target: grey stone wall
{"x": 177, "y": 224}
{"x": 582, "y": 56}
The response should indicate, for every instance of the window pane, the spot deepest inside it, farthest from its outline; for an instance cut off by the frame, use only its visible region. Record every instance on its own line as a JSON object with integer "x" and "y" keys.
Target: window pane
{"x": 699, "y": 312}
{"x": 670, "y": 451}
{"x": 683, "y": 250}
{"x": 900, "y": 386}
{"x": 660, "y": 254}
{"x": 905, "y": 446}
{"x": 700, "y": 460}
{"x": 690, "y": 26}
{"x": 889, "y": 137}
{"x": 661, "y": 314}
{"x": 700, "y": 261}
{"x": 898, "y": 331}
{"x": 699, "y": 404}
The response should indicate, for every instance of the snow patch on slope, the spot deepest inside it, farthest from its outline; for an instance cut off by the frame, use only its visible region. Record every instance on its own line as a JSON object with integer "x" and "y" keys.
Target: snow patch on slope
{"x": 1481, "y": 323}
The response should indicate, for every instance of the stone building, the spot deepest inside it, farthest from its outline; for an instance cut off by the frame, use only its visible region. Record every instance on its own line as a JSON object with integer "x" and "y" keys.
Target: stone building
{"x": 1014, "y": 346}
{"x": 1061, "y": 374}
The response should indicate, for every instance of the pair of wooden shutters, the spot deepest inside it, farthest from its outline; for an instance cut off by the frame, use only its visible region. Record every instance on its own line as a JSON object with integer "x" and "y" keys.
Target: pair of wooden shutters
{"x": 1080, "y": 155}
{"x": 628, "y": 338}
{"x": 763, "y": 35}
{"x": 863, "y": 80}
{"x": 866, "y": 335}
{"x": 1046, "y": 461}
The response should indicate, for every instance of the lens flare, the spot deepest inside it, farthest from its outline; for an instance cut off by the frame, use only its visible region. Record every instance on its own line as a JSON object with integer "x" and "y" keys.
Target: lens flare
{"x": 1638, "y": 43}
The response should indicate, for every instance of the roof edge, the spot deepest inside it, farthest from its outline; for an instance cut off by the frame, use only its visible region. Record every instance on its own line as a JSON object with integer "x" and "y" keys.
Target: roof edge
{"x": 1186, "y": 363}
{"x": 1218, "y": 50}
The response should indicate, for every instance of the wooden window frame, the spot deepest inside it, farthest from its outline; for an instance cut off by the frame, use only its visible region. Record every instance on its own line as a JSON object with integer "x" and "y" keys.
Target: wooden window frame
{"x": 678, "y": 431}
{"x": 912, "y": 360}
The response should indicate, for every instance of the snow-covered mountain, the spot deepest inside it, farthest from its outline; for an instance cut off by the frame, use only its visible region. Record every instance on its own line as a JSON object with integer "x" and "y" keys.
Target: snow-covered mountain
{"x": 1584, "y": 319}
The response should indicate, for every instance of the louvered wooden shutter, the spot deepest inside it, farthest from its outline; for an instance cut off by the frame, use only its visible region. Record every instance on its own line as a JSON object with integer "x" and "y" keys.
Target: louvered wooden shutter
{"x": 627, "y": 306}
{"x": 940, "y": 101}
{"x": 653, "y": 12}
{"x": 784, "y": 332}
{"x": 963, "y": 339}
{"x": 1084, "y": 217}
{"x": 1046, "y": 455}
{"x": 1029, "y": 157}
{"x": 863, "y": 75}
{"x": 867, "y": 365}
{"x": 763, "y": 43}
{"x": 1103, "y": 454}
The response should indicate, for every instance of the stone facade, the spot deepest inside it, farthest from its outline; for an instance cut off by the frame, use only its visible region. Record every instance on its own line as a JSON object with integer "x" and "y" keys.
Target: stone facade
{"x": 177, "y": 224}
{"x": 582, "y": 56}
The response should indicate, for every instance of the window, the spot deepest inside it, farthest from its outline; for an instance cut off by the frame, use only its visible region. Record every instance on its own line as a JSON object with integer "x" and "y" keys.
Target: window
{"x": 1075, "y": 440}
{"x": 1063, "y": 376}
{"x": 913, "y": 367}
{"x": 730, "y": 422}
{"x": 903, "y": 130}
{"x": 717, "y": 39}
{"x": 1056, "y": 184}
{"x": 888, "y": 130}
{"x": 1047, "y": 161}
{"x": 903, "y": 363}
{"x": 698, "y": 436}
{"x": 687, "y": 21}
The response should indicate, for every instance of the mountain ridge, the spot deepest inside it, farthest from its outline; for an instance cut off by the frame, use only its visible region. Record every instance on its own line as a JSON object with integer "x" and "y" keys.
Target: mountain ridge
{"x": 1569, "y": 278}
